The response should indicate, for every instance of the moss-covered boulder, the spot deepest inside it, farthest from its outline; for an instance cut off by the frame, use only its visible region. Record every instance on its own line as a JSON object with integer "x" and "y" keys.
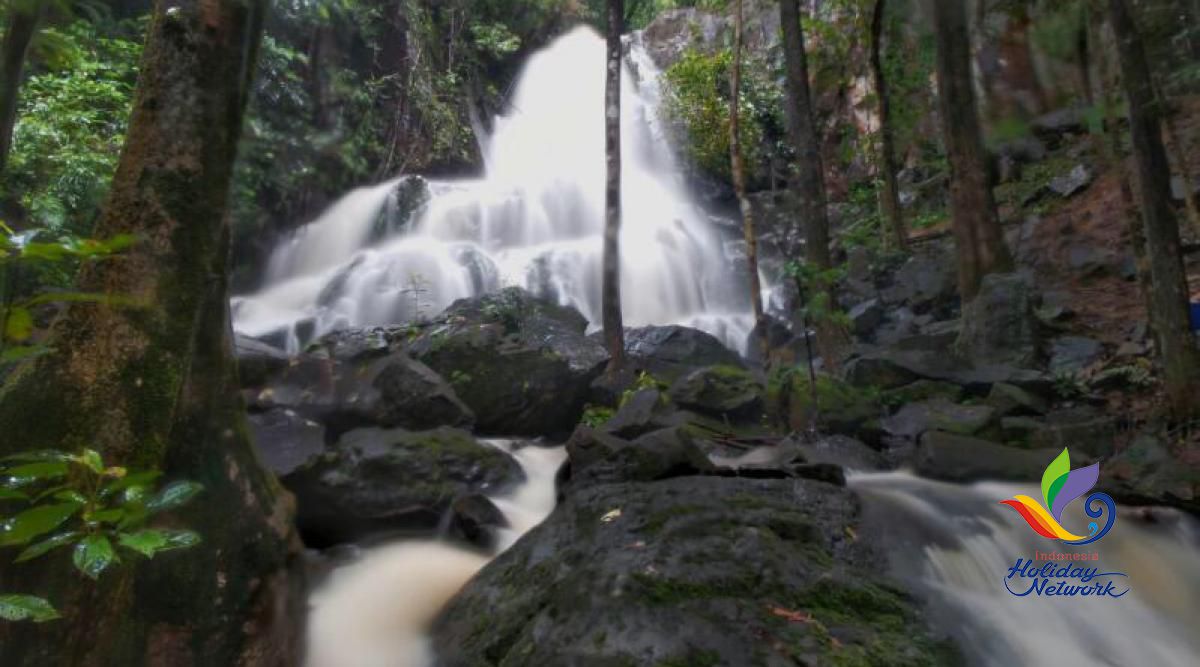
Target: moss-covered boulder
{"x": 960, "y": 458}
{"x": 728, "y": 392}
{"x": 522, "y": 364}
{"x": 377, "y": 481}
{"x": 689, "y": 571}
{"x": 840, "y": 407}
{"x": 941, "y": 415}
{"x": 670, "y": 352}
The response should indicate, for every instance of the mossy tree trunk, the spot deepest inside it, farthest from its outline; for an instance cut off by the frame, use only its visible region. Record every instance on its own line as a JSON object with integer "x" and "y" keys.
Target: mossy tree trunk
{"x": 897, "y": 234}
{"x": 23, "y": 17}
{"x": 610, "y": 297}
{"x": 1169, "y": 296}
{"x": 155, "y": 385}
{"x": 739, "y": 184}
{"x": 977, "y": 234}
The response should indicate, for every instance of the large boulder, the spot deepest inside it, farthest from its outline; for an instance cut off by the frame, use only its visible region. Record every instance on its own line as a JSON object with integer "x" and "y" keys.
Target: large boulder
{"x": 596, "y": 456}
{"x": 689, "y": 571}
{"x": 257, "y": 361}
{"x": 376, "y": 481}
{"x": 285, "y": 440}
{"x": 728, "y": 392}
{"x": 1146, "y": 472}
{"x": 925, "y": 282}
{"x": 914, "y": 419}
{"x": 522, "y": 364}
{"x": 670, "y": 352}
{"x": 999, "y": 326}
{"x": 352, "y": 388}
{"x": 960, "y": 458}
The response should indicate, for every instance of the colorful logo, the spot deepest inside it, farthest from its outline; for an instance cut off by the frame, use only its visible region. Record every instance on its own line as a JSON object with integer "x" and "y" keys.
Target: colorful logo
{"x": 1060, "y": 487}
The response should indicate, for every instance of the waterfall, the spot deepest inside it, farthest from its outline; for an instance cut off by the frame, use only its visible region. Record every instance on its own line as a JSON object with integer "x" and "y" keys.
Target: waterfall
{"x": 953, "y": 546}
{"x": 535, "y": 219}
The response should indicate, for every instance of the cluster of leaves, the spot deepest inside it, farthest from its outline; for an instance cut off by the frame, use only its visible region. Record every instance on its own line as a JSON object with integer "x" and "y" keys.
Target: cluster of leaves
{"x": 71, "y": 121}
{"x": 696, "y": 97}
{"x": 17, "y": 308}
{"x": 75, "y": 500}
{"x": 816, "y": 286}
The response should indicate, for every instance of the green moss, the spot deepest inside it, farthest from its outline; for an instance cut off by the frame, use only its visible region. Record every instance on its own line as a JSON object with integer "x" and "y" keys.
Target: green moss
{"x": 662, "y": 591}
{"x": 840, "y": 405}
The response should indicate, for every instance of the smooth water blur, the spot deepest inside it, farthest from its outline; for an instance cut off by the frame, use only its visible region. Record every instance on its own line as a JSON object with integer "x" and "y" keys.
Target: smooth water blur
{"x": 536, "y": 220}
{"x": 954, "y": 544}
{"x": 376, "y": 611}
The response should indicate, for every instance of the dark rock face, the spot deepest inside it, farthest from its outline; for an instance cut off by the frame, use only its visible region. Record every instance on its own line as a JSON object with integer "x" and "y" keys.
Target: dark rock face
{"x": 669, "y": 352}
{"x": 639, "y": 414}
{"x": 721, "y": 391}
{"x": 474, "y": 519}
{"x": 1071, "y": 354}
{"x": 377, "y": 481}
{"x": 925, "y": 282}
{"x": 257, "y": 360}
{"x": 959, "y": 458}
{"x": 523, "y": 365}
{"x": 687, "y": 571}
{"x": 915, "y": 419}
{"x": 413, "y": 396}
{"x": 597, "y": 457}
{"x": 999, "y": 326}
{"x": 1145, "y": 472}
{"x": 285, "y": 440}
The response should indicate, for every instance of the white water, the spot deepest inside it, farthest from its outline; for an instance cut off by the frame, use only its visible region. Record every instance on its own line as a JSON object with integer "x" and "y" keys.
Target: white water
{"x": 954, "y": 544}
{"x": 534, "y": 220}
{"x": 376, "y": 611}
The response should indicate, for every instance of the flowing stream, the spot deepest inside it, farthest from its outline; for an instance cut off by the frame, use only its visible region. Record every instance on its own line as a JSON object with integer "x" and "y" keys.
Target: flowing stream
{"x": 535, "y": 219}
{"x": 953, "y": 545}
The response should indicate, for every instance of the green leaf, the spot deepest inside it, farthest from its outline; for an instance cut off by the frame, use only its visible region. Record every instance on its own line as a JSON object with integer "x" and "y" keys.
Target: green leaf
{"x": 17, "y": 353}
{"x": 112, "y": 515}
{"x": 93, "y": 555}
{"x": 26, "y": 608}
{"x": 71, "y": 495}
{"x": 174, "y": 495}
{"x": 36, "y": 521}
{"x": 180, "y": 539}
{"x": 45, "y": 546}
{"x": 146, "y": 542}
{"x": 140, "y": 479}
{"x": 35, "y": 472}
{"x": 1059, "y": 467}
{"x": 91, "y": 459}
{"x": 39, "y": 455}
{"x": 9, "y": 494}
{"x": 18, "y": 325}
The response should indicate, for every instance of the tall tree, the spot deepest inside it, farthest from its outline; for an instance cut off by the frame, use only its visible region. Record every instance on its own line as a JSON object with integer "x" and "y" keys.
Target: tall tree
{"x": 1169, "y": 296}
{"x": 610, "y": 297}
{"x": 977, "y": 233}
{"x": 739, "y": 182}
{"x": 23, "y": 17}
{"x": 890, "y": 197}
{"x": 154, "y": 386}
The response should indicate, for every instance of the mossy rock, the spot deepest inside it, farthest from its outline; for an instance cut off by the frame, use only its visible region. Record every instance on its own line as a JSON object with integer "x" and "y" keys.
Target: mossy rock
{"x": 922, "y": 390}
{"x": 689, "y": 571}
{"x": 840, "y": 406}
{"x": 728, "y": 392}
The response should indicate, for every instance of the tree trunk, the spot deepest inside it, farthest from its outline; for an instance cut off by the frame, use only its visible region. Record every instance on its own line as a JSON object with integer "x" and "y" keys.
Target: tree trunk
{"x": 977, "y": 233}
{"x": 739, "y": 183}
{"x": 1169, "y": 296}
{"x": 890, "y": 197}
{"x": 155, "y": 385}
{"x": 614, "y": 328}
{"x": 22, "y": 24}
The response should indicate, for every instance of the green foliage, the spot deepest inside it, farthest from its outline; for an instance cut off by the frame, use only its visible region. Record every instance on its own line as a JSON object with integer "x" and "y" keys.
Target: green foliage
{"x": 1069, "y": 386}
{"x": 76, "y": 500}
{"x": 18, "y": 306}
{"x": 596, "y": 416}
{"x": 817, "y": 287}
{"x": 696, "y": 96}
{"x": 71, "y": 122}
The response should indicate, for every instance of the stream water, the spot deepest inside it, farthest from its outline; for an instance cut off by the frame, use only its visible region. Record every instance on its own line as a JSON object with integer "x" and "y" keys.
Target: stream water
{"x": 535, "y": 219}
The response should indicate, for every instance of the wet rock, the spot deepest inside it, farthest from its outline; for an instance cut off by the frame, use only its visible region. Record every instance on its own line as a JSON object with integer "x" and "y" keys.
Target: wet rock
{"x": 257, "y": 361}
{"x": 865, "y": 317}
{"x": 728, "y": 392}
{"x": 1071, "y": 354}
{"x": 670, "y": 352}
{"x": 687, "y": 571}
{"x": 523, "y": 365}
{"x": 1145, "y": 472}
{"x": 1069, "y": 184}
{"x": 926, "y": 280}
{"x": 376, "y": 481}
{"x": 637, "y": 415}
{"x": 923, "y": 390}
{"x": 960, "y": 458}
{"x": 598, "y": 457}
{"x": 475, "y": 519}
{"x": 999, "y": 326}
{"x": 411, "y": 395}
{"x": 915, "y": 419}
{"x": 840, "y": 450}
{"x": 285, "y": 440}
{"x": 410, "y": 194}
{"x": 1011, "y": 400}
{"x": 1082, "y": 428}
{"x": 877, "y": 372}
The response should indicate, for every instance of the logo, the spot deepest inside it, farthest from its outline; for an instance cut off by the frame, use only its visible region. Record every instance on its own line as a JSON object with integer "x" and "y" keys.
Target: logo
{"x": 1060, "y": 487}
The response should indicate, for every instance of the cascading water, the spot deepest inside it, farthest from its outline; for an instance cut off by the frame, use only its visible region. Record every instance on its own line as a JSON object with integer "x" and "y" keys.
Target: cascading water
{"x": 535, "y": 220}
{"x": 954, "y": 545}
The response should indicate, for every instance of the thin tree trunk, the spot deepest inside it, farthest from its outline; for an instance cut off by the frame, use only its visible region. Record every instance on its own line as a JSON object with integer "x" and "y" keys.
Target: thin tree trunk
{"x": 22, "y": 25}
{"x": 1175, "y": 146}
{"x": 977, "y": 233}
{"x": 155, "y": 385}
{"x": 614, "y": 328}
{"x": 890, "y": 197}
{"x": 1169, "y": 296}
{"x": 739, "y": 184}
